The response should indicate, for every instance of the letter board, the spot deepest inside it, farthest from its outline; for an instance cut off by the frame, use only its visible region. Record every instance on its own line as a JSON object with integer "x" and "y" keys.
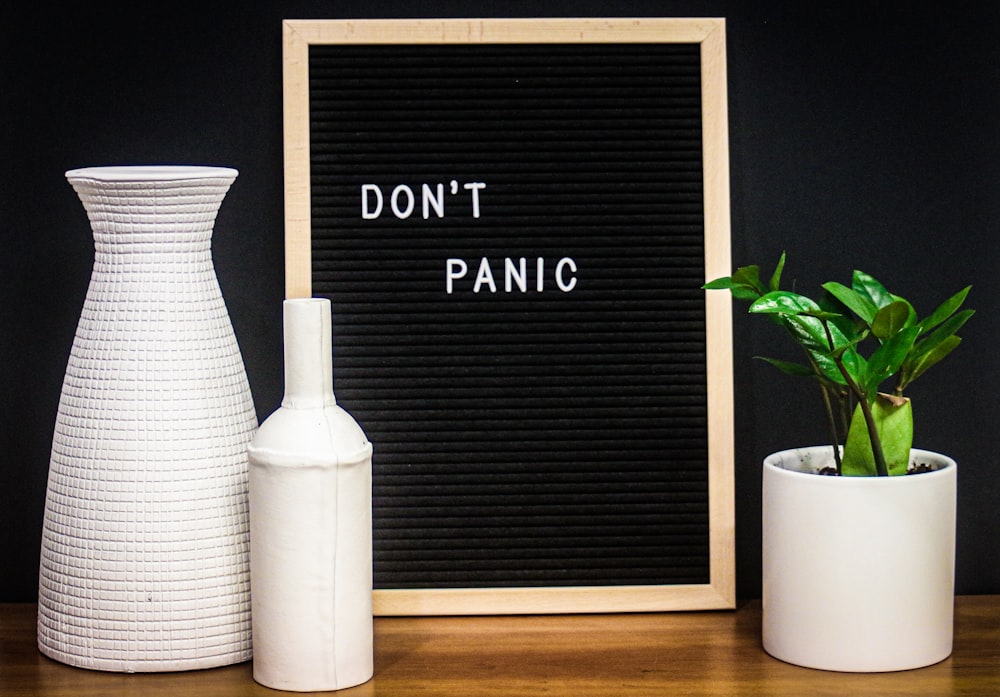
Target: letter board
{"x": 513, "y": 220}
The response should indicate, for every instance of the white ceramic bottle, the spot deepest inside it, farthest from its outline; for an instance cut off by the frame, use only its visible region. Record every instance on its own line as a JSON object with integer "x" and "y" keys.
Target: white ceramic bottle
{"x": 310, "y": 524}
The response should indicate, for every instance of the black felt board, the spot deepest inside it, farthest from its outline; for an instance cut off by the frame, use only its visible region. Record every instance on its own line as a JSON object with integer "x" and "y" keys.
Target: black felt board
{"x": 513, "y": 239}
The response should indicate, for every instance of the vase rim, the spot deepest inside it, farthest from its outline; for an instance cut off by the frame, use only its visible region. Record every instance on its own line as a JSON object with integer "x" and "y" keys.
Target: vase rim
{"x": 307, "y": 301}
{"x": 773, "y": 463}
{"x": 145, "y": 173}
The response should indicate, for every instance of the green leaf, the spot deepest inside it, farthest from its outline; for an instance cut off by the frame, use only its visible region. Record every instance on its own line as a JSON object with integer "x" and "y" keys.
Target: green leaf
{"x": 894, "y": 424}
{"x": 828, "y": 368}
{"x": 806, "y": 331}
{"x": 783, "y": 302}
{"x": 811, "y": 334}
{"x": 873, "y": 291}
{"x": 912, "y": 319}
{"x": 739, "y": 290}
{"x": 847, "y": 323}
{"x": 888, "y": 358}
{"x": 945, "y": 310}
{"x": 775, "y": 282}
{"x": 949, "y": 327}
{"x": 749, "y": 276}
{"x": 931, "y": 349}
{"x": 926, "y": 356}
{"x": 857, "y": 303}
{"x": 855, "y": 365}
{"x": 825, "y": 366}
{"x": 744, "y": 284}
{"x": 794, "y": 369}
{"x": 724, "y": 283}
{"x": 891, "y": 319}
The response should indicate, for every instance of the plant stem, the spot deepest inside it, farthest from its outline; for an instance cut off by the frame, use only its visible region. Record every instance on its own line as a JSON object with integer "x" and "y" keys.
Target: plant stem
{"x": 834, "y": 436}
{"x": 881, "y": 469}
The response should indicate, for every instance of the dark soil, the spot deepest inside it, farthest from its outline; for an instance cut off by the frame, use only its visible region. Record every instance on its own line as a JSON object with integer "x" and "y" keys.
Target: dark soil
{"x": 915, "y": 468}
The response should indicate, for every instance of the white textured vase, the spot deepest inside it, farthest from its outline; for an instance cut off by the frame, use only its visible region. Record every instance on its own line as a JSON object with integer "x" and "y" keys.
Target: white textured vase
{"x": 144, "y": 558}
{"x": 858, "y": 572}
{"x": 311, "y": 524}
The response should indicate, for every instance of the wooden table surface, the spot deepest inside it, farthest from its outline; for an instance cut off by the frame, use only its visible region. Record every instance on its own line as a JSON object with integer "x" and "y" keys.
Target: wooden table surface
{"x": 699, "y": 653}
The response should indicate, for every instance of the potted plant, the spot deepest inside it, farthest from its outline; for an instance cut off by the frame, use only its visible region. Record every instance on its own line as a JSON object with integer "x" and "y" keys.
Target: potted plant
{"x": 858, "y": 535}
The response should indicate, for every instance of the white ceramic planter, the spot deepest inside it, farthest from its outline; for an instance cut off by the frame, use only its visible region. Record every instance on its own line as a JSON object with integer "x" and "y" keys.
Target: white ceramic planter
{"x": 858, "y": 572}
{"x": 311, "y": 524}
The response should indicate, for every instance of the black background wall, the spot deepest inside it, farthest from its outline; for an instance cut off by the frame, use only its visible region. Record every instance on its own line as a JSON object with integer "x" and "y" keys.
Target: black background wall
{"x": 861, "y": 135}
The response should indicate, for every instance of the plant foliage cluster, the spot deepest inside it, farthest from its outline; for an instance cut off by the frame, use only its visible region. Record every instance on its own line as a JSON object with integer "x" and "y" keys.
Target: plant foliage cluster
{"x": 855, "y": 339}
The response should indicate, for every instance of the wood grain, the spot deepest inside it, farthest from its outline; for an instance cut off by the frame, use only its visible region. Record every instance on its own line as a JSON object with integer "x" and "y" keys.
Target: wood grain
{"x": 698, "y": 653}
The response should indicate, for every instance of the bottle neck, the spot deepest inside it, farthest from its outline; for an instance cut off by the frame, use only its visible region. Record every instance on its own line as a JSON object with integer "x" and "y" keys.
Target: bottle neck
{"x": 308, "y": 354}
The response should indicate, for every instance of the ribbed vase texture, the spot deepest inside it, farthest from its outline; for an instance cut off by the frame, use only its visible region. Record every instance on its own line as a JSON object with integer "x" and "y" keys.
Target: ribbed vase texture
{"x": 144, "y": 559}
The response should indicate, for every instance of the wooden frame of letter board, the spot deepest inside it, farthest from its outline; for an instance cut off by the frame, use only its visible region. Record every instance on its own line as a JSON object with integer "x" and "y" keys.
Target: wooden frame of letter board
{"x": 709, "y": 34}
